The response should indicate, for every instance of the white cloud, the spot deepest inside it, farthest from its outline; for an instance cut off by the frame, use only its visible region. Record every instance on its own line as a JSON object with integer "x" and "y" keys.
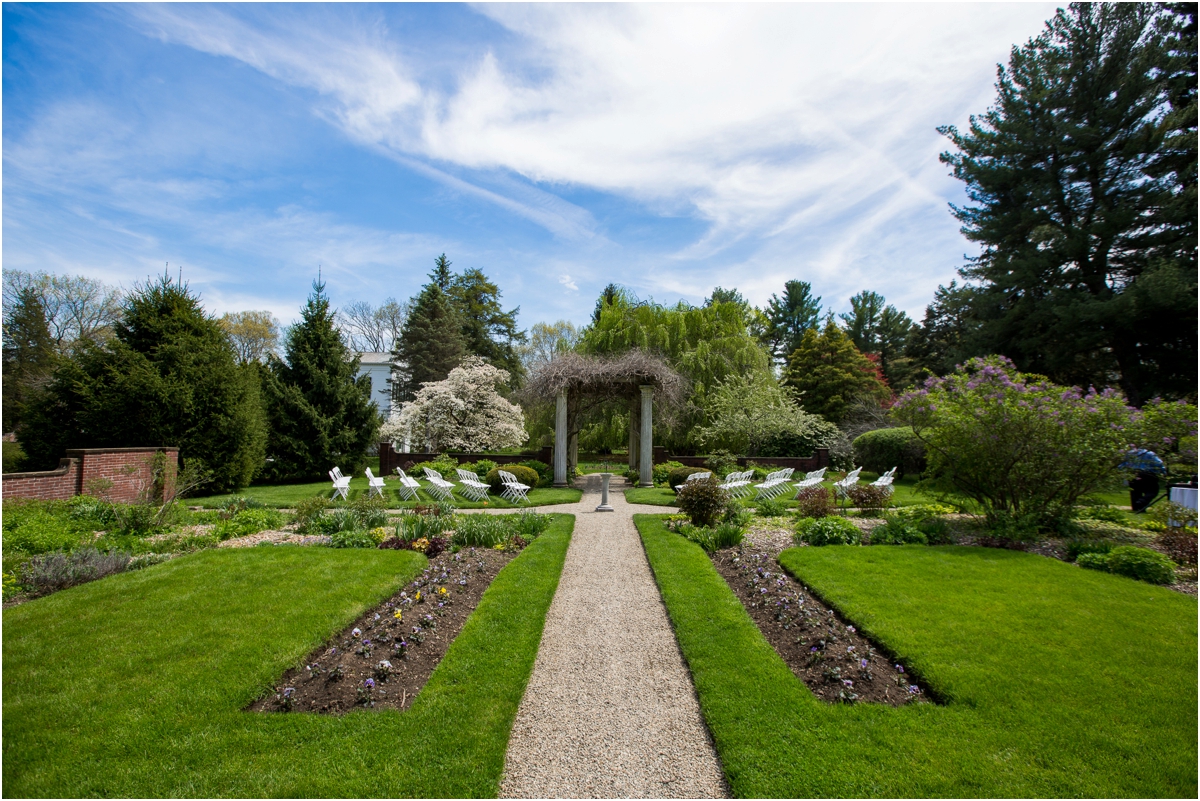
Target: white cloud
{"x": 566, "y": 281}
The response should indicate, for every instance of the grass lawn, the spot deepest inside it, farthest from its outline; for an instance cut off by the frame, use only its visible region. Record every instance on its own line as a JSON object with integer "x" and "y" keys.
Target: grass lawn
{"x": 285, "y": 496}
{"x": 134, "y": 685}
{"x": 1059, "y": 681}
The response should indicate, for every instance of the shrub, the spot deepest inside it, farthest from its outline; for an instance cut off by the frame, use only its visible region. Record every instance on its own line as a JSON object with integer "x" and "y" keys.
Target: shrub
{"x": 370, "y": 511}
{"x": 1104, "y": 513}
{"x": 92, "y": 512}
{"x": 148, "y": 560}
{"x": 238, "y": 503}
{"x": 770, "y": 507}
{"x": 1093, "y": 561}
{"x": 1180, "y": 545}
{"x": 545, "y": 472}
{"x": 1017, "y": 445}
{"x": 815, "y": 502}
{"x": 1077, "y": 548}
{"x": 660, "y": 473}
{"x": 482, "y": 467}
{"x": 871, "y": 500}
{"x": 721, "y": 462}
{"x": 13, "y": 456}
{"x": 309, "y": 511}
{"x": 245, "y": 523}
{"x": 702, "y": 501}
{"x": 352, "y": 538}
{"x": 827, "y": 531}
{"x": 1142, "y": 564}
{"x": 898, "y": 532}
{"x": 1169, "y": 514}
{"x": 530, "y": 525}
{"x": 415, "y": 525}
{"x": 43, "y": 575}
{"x": 342, "y": 519}
{"x": 678, "y": 475}
{"x": 525, "y": 475}
{"x": 927, "y": 519}
{"x": 40, "y": 532}
{"x": 718, "y": 537}
{"x": 444, "y": 464}
{"x": 884, "y": 448}
{"x": 480, "y": 531}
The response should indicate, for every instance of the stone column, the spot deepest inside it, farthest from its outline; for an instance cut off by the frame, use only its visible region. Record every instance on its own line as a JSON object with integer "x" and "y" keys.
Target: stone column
{"x": 560, "y": 440}
{"x": 647, "y": 447}
{"x": 635, "y": 435}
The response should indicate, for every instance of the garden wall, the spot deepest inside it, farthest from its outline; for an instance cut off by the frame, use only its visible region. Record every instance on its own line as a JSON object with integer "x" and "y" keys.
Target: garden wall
{"x": 129, "y": 471}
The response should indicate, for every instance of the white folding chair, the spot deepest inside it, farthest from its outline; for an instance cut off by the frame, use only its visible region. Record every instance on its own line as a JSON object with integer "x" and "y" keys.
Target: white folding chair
{"x": 408, "y": 486}
{"x": 514, "y": 490}
{"x": 470, "y": 486}
{"x": 842, "y": 488}
{"x": 810, "y": 480}
{"x": 341, "y": 484}
{"x": 439, "y": 487}
{"x": 886, "y": 480}
{"x": 374, "y": 485}
{"x": 694, "y": 477}
{"x": 735, "y": 484}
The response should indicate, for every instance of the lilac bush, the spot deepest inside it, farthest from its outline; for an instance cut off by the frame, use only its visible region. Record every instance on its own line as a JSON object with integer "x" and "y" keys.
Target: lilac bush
{"x": 1022, "y": 448}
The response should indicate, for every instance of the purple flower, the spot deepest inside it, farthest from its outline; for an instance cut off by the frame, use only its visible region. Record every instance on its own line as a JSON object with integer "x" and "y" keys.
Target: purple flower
{"x": 851, "y": 629}
{"x": 356, "y": 632}
{"x": 913, "y": 689}
{"x": 862, "y": 663}
{"x": 847, "y": 682}
{"x": 366, "y": 643}
{"x": 899, "y": 668}
{"x": 288, "y": 691}
{"x": 813, "y": 650}
{"x": 369, "y": 684}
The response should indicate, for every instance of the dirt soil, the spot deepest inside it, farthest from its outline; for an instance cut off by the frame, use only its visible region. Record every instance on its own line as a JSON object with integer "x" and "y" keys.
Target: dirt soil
{"x": 383, "y": 659}
{"x": 826, "y": 652}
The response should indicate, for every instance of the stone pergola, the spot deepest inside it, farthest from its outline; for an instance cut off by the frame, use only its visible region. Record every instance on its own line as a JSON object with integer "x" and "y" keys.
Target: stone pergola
{"x": 579, "y": 383}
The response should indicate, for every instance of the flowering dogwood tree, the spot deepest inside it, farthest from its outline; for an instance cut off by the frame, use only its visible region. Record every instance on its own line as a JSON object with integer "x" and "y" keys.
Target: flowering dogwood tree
{"x": 1024, "y": 449}
{"x": 464, "y": 412}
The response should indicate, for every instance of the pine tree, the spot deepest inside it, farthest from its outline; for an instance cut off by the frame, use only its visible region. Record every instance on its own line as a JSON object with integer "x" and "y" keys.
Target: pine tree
{"x": 168, "y": 377}
{"x": 789, "y": 317}
{"x": 318, "y": 407}
{"x": 429, "y": 346}
{"x": 832, "y": 374}
{"x": 488, "y": 331}
{"x": 29, "y": 354}
{"x": 879, "y": 329}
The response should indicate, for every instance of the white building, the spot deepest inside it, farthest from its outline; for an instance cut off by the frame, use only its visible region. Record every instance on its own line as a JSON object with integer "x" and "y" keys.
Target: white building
{"x": 379, "y": 367}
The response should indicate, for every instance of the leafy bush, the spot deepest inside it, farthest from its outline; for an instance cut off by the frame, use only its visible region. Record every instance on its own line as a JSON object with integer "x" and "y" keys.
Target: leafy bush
{"x": 927, "y": 519}
{"x": 370, "y": 510}
{"x": 661, "y": 473}
{"x": 483, "y": 466}
{"x": 1017, "y": 445}
{"x": 309, "y": 511}
{"x": 414, "y": 525}
{"x": 245, "y": 523}
{"x": 91, "y": 512}
{"x": 43, "y": 575}
{"x": 770, "y": 507}
{"x": 148, "y": 560}
{"x": 545, "y": 472}
{"x": 871, "y": 500}
{"x": 1180, "y": 545}
{"x": 678, "y": 475}
{"x": 480, "y": 531}
{"x": 1077, "y": 548}
{"x": 13, "y": 456}
{"x": 1142, "y": 564}
{"x": 525, "y": 475}
{"x": 352, "y": 538}
{"x": 702, "y": 501}
{"x": 1169, "y": 514}
{"x": 40, "y": 532}
{"x": 827, "y": 531}
{"x": 1100, "y": 512}
{"x": 723, "y": 535}
{"x": 721, "y": 462}
{"x": 1093, "y": 561}
{"x": 884, "y": 448}
{"x": 238, "y": 503}
{"x": 444, "y": 464}
{"x": 137, "y": 519}
{"x": 898, "y": 532}
{"x": 530, "y": 525}
{"x": 815, "y": 502}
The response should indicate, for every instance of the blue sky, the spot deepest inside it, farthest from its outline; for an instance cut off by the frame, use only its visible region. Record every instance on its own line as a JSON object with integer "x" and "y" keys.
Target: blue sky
{"x": 670, "y": 148}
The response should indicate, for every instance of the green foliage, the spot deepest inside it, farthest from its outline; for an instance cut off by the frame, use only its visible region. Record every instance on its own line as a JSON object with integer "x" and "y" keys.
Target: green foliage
{"x": 897, "y": 532}
{"x": 168, "y": 377}
{"x": 1169, "y": 429}
{"x": 814, "y": 502}
{"x": 247, "y": 522}
{"x": 309, "y": 511}
{"x": 427, "y": 523}
{"x": 1083, "y": 189}
{"x": 831, "y": 374}
{"x": 545, "y": 472}
{"x": 871, "y": 501}
{"x": 444, "y": 464}
{"x": 827, "y": 531}
{"x": 29, "y": 355}
{"x": 319, "y": 409}
{"x": 524, "y": 475}
{"x": 884, "y": 448}
{"x": 485, "y": 466}
{"x": 481, "y": 531}
{"x": 1168, "y": 513}
{"x": 36, "y": 530}
{"x": 770, "y": 507}
{"x": 1093, "y": 560}
{"x": 927, "y": 519}
{"x": 1142, "y": 564}
{"x": 661, "y": 473}
{"x": 881, "y": 330}
{"x": 352, "y": 538}
{"x": 487, "y": 330}
{"x": 676, "y": 476}
{"x": 715, "y": 538}
{"x": 14, "y": 456}
{"x": 370, "y": 510}
{"x": 1022, "y": 448}
{"x": 753, "y": 414}
{"x": 52, "y": 572}
{"x": 431, "y": 343}
{"x": 1077, "y": 548}
{"x": 530, "y": 525}
{"x": 702, "y": 501}
{"x": 721, "y": 462}
{"x": 789, "y": 317}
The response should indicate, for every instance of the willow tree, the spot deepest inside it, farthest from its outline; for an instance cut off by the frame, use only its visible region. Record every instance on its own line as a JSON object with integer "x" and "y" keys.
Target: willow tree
{"x": 704, "y": 344}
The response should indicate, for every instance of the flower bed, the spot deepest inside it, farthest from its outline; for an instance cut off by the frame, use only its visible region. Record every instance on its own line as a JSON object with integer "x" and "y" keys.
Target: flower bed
{"x": 827, "y": 653}
{"x": 384, "y": 658}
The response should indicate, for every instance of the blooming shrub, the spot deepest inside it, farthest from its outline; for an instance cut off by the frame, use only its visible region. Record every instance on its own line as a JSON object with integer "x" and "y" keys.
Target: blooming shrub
{"x": 827, "y": 531}
{"x": 702, "y": 501}
{"x": 815, "y": 502}
{"x": 1023, "y": 449}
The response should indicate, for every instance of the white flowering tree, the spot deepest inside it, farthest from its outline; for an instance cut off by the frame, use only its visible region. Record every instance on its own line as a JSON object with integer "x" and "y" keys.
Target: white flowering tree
{"x": 462, "y": 413}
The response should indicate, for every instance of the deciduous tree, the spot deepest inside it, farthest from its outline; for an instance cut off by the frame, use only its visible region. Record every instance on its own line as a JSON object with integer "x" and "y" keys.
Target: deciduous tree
{"x": 832, "y": 374}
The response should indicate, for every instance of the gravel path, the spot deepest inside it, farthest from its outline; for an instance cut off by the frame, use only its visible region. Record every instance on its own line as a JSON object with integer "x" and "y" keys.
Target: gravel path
{"x": 610, "y": 710}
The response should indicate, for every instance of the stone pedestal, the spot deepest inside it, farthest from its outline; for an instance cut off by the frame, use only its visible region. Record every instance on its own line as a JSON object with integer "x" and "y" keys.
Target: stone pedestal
{"x": 604, "y": 507}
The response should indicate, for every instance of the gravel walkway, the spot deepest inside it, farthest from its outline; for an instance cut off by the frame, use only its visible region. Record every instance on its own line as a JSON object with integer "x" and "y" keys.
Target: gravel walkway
{"x": 610, "y": 710}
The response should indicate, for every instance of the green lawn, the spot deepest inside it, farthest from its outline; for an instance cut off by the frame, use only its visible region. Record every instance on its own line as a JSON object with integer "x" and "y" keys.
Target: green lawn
{"x": 285, "y": 496}
{"x": 134, "y": 685}
{"x": 1060, "y": 681}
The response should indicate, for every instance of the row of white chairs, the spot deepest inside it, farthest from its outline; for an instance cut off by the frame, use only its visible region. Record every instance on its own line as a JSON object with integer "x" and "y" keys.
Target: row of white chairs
{"x": 776, "y": 483}
{"x": 469, "y": 486}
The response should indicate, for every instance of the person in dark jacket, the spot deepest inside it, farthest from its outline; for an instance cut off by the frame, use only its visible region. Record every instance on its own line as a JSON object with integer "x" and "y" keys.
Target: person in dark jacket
{"x": 1142, "y": 490}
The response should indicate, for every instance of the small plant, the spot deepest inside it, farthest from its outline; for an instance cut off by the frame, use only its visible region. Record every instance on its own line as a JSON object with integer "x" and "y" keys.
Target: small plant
{"x": 485, "y": 466}
{"x": 827, "y": 531}
{"x": 51, "y": 572}
{"x": 869, "y": 499}
{"x": 378, "y": 534}
{"x": 925, "y": 518}
{"x": 1077, "y": 548}
{"x": 722, "y": 535}
{"x": 702, "y": 501}
{"x": 34, "y": 530}
{"x": 1180, "y": 545}
{"x": 309, "y": 512}
{"x": 414, "y": 525}
{"x": 1171, "y": 514}
{"x": 770, "y": 507}
{"x": 351, "y": 538}
{"x": 545, "y": 472}
{"x": 343, "y": 519}
{"x": 1093, "y": 561}
{"x": 530, "y": 524}
{"x": 238, "y": 503}
{"x": 481, "y": 531}
{"x": 1104, "y": 513}
{"x": 148, "y": 560}
{"x": 815, "y": 502}
{"x": 370, "y": 511}
{"x": 1136, "y": 563}
{"x": 898, "y": 532}
{"x": 247, "y": 522}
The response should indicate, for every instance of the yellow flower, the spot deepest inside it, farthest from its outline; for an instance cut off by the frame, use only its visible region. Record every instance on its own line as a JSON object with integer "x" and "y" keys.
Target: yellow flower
{"x": 399, "y": 615}
{"x": 442, "y": 590}
{"x": 418, "y": 597}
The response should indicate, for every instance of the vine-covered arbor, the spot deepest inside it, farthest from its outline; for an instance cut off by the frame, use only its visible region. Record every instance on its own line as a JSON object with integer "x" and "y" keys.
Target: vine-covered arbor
{"x": 578, "y": 383}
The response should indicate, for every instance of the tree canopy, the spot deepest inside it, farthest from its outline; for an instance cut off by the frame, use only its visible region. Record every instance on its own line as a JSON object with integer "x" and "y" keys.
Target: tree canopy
{"x": 789, "y": 317}
{"x": 831, "y": 374}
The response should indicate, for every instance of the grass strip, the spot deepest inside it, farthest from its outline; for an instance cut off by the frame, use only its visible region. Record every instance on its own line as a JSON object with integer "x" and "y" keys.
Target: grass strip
{"x": 286, "y": 496}
{"x": 142, "y": 678}
{"x": 1060, "y": 682}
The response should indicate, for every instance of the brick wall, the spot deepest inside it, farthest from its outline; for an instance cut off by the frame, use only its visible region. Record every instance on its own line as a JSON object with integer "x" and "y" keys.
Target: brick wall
{"x": 129, "y": 470}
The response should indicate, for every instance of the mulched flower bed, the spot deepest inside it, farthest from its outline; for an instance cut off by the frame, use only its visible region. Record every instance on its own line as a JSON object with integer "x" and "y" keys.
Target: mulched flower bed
{"x": 384, "y": 658}
{"x": 828, "y": 654}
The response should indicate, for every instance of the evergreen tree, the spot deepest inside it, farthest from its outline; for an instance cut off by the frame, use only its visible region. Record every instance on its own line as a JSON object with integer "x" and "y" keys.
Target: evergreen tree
{"x": 949, "y": 334}
{"x": 789, "y": 317}
{"x": 429, "y": 346}
{"x": 29, "y": 354}
{"x": 168, "y": 377}
{"x": 832, "y": 374}
{"x": 488, "y": 331}
{"x": 1082, "y": 188}
{"x": 880, "y": 329}
{"x": 319, "y": 409}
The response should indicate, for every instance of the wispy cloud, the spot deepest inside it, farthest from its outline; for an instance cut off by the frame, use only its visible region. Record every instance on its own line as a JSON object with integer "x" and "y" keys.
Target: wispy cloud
{"x": 566, "y": 281}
